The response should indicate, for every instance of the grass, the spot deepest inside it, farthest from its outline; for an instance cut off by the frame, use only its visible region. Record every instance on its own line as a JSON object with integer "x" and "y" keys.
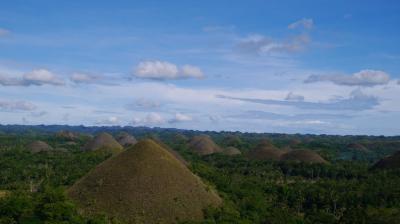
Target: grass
{"x": 144, "y": 183}
{"x": 104, "y": 142}
{"x": 203, "y": 145}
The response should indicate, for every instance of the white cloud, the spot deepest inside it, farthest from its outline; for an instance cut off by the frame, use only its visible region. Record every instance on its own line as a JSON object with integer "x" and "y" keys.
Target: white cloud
{"x": 200, "y": 103}
{"x": 262, "y": 45}
{"x": 156, "y": 70}
{"x": 151, "y": 119}
{"x": 7, "y": 81}
{"x": 36, "y": 77}
{"x": 4, "y": 32}
{"x": 362, "y": 78}
{"x": 42, "y": 77}
{"x": 302, "y": 23}
{"x": 11, "y": 106}
{"x": 109, "y": 121}
{"x": 163, "y": 70}
{"x": 154, "y": 118}
{"x": 294, "y": 97}
{"x": 191, "y": 71}
{"x": 180, "y": 118}
{"x": 82, "y": 78}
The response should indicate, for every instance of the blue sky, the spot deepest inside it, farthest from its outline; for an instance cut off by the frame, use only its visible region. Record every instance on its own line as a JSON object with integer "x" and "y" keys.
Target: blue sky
{"x": 259, "y": 66}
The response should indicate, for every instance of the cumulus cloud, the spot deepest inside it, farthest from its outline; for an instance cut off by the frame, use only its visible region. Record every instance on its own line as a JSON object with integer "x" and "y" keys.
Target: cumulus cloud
{"x": 191, "y": 71}
{"x": 163, "y": 70}
{"x": 302, "y": 23}
{"x": 82, "y": 78}
{"x": 150, "y": 119}
{"x": 36, "y": 77}
{"x": 4, "y": 32}
{"x": 362, "y": 78}
{"x": 357, "y": 101}
{"x": 154, "y": 118}
{"x": 262, "y": 45}
{"x": 11, "y": 106}
{"x": 109, "y": 121}
{"x": 294, "y": 97}
{"x": 7, "y": 81}
{"x": 180, "y": 118}
{"x": 41, "y": 77}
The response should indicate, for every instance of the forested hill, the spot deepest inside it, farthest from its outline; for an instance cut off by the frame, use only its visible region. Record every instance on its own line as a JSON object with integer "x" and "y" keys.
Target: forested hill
{"x": 348, "y": 147}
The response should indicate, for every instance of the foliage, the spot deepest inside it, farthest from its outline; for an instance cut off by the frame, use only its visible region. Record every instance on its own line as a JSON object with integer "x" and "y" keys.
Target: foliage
{"x": 32, "y": 185}
{"x": 49, "y": 206}
{"x": 265, "y": 192}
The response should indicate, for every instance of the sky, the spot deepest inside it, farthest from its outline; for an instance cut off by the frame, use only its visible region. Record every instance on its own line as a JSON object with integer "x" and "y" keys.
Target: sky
{"x": 319, "y": 67}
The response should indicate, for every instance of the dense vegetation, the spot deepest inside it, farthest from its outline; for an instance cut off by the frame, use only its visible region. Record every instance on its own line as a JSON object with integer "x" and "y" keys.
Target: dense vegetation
{"x": 32, "y": 185}
{"x": 262, "y": 192}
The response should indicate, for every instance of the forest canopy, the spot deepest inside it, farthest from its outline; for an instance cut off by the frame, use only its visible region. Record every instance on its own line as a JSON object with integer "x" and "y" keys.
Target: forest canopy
{"x": 345, "y": 189}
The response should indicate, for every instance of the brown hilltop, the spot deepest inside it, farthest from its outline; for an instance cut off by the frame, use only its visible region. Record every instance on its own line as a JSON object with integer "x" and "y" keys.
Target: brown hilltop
{"x": 203, "y": 145}
{"x": 389, "y": 162}
{"x": 179, "y": 137}
{"x": 357, "y": 147}
{"x": 68, "y": 135}
{"x": 293, "y": 143}
{"x": 144, "y": 184}
{"x": 303, "y": 155}
{"x": 125, "y": 139}
{"x": 265, "y": 150}
{"x": 39, "y": 146}
{"x": 232, "y": 140}
{"x": 103, "y": 142}
{"x": 231, "y": 151}
{"x": 172, "y": 151}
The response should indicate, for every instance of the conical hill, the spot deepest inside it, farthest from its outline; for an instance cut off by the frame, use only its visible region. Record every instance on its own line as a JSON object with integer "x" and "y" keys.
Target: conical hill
{"x": 39, "y": 146}
{"x": 389, "y": 162}
{"x": 203, "y": 145}
{"x": 104, "y": 142}
{"x": 231, "y": 151}
{"x": 265, "y": 150}
{"x": 144, "y": 184}
{"x": 125, "y": 139}
{"x": 170, "y": 150}
{"x": 303, "y": 155}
